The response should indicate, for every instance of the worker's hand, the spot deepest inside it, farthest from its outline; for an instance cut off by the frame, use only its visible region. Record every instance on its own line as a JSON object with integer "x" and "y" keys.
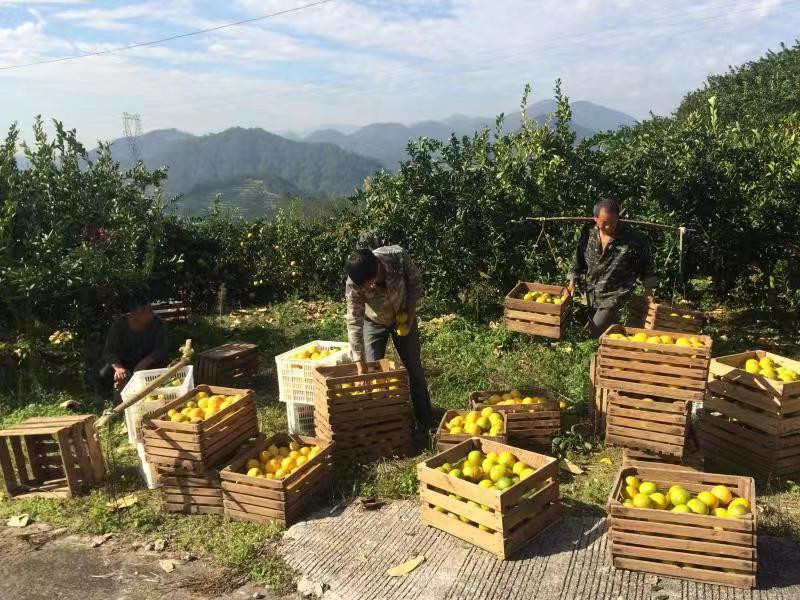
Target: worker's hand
{"x": 571, "y": 287}
{"x": 120, "y": 374}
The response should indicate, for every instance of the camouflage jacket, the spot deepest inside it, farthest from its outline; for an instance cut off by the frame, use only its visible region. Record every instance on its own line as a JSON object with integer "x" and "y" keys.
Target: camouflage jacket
{"x": 401, "y": 290}
{"x": 611, "y": 274}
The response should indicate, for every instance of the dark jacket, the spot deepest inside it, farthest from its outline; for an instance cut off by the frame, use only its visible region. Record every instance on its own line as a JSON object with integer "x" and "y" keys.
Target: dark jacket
{"x": 611, "y": 275}
{"x": 128, "y": 347}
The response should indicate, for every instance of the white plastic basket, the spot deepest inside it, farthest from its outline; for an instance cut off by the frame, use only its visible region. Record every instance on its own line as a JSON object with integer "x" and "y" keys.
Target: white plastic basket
{"x": 140, "y": 380}
{"x": 148, "y": 472}
{"x": 296, "y": 376}
{"x": 300, "y": 418}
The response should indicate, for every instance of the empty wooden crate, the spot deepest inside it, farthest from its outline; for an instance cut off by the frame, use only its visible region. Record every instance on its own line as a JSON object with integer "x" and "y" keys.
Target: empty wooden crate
{"x": 261, "y": 499}
{"x": 750, "y": 421}
{"x": 445, "y": 439}
{"x": 367, "y": 415}
{"x": 663, "y": 316}
{"x": 654, "y": 424}
{"x": 547, "y": 319}
{"x": 650, "y": 368}
{"x": 499, "y": 521}
{"x": 700, "y": 547}
{"x": 198, "y": 447}
{"x": 227, "y": 364}
{"x": 533, "y": 416}
{"x": 173, "y": 311}
{"x": 51, "y": 456}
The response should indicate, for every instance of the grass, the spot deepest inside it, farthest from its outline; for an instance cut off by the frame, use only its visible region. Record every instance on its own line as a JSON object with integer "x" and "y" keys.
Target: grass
{"x": 460, "y": 356}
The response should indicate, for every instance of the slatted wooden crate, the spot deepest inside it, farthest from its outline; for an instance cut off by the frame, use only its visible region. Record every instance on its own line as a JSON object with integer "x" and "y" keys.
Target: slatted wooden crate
{"x": 598, "y": 399}
{"x": 227, "y": 364}
{"x": 663, "y": 316}
{"x": 57, "y": 457}
{"x": 537, "y": 318}
{"x": 192, "y": 494}
{"x": 445, "y": 439}
{"x": 368, "y": 416}
{"x": 514, "y": 516}
{"x": 689, "y": 546}
{"x": 692, "y": 461}
{"x": 175, "y": 311}
{"x": 749, "y": 421}
{"x": 653, "y": 424}
{"x": 262, "y": 500}
{"x": 197, "y": 448}
{"x": 528, "y": 425}
{"x": 662, "y": 370}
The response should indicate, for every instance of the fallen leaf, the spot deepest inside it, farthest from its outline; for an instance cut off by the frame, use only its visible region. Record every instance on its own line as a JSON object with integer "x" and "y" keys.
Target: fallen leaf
{"x": 167, "y": 565}
{"x": 124, "y": 502}
{"x": 18, "y": 521}
{"x": 406, "y": 567}
{"x": 69, "y": 405}
{"x": 570, "y": 467}
{"x": 99, "y": 540}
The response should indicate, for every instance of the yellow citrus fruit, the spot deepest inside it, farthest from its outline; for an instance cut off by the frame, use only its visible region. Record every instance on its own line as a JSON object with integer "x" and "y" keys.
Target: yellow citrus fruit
{"x": 283, "y": 451}
{"x": 483, "y": 423}
{"x": 678, "y": 495}
{"x": 518, "y": 467}
{"x": 472, "y": 429}
{"x": 667, "y": 339}
{"x": 741, "y": 501}
{"x": 456, "y": 431}
{"x": 507, "y": 459}
{"x": 475, "y": 457}
{"x": 301, "y": 460}
{"x": 486, "y": 483}
{"x": 720, "y": 512}
{"x": 473, "y": 416}
{"x": 697, "y": 506}
{"x": 526, "y": 473}
{"x": 642, "y": 501}
{"x": 264, "y": 456}
{"x": 633, "y": 481}
{"x": 487, "y": 411}
{"x": 294, "y": 445}
{"x": 497, "y": 472}
{"x": 305, "y": 450}
{"x": 253, "y": 463}
{"x": 281, "y": 473}
{"x": 294, "y": 454}
{"x": 647, "y": 488}
{"x": 737, "y": 510}
{"x": 709, "y": 499}
{"x": 628, "y": 503}
{"x": 288, "y": 463}
{"x": 496, "y": 419}
{"x": 253, "y": 472}
{"x": 488, "y": 463}
{"x": 659, "y": 500}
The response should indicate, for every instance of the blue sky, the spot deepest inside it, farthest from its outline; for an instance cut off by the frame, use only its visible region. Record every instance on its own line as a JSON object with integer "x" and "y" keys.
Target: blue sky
{"x": 359, "y": 61}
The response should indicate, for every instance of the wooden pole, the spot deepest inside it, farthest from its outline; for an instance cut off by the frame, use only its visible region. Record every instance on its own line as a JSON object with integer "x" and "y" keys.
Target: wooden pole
{"x": 186, "y": 358}
{"x": 589, "y": 219}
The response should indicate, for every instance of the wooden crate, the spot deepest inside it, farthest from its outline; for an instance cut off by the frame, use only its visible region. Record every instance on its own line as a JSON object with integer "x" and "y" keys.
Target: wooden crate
{"x": 56, "y": 457}
{"x": 196, "y": 448}
{"x": 656, "y": 424}
{"x": 175, "y": 311}
{"x": 692, "y": 461}
{"x": 192, "y": 494}
{"x": 689, "y": 546}
{"x": 227, "y": 364}
{"x": 263, "y": 500}
{"x": 598, "y": 399}
{"x": 445, "y": 439}
{"x": 750, "y": 421}
{"x": 529, "y": 425}
{"x": 663, "y": 316}
{"x": 365, "y": 418}
{"x": 514, "y": 516}
{"x": 661, "y": 370}
{"x": 537, "y": 318}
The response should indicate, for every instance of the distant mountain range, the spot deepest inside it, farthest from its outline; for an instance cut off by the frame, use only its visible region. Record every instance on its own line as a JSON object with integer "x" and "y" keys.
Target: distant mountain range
{"x": 259, "y": 172}
{"x": 387, "y": 141}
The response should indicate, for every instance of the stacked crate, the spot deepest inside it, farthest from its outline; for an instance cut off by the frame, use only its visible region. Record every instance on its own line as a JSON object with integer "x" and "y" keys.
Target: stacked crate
{"x": 227, "y": 364}
{"x": 749, "y": 421}
{"x": 187, "y": 456}
{"x": 367, "y": 415}
{"x": 703, "y": 548}
{"x": 529, "y": 425}
{"x": 657, "y": 426}
{"x": 262, "y": 500}
{"x": 537, "y": 318}
{"x": 501, "y": 522}
{"x": 663, "y": 316}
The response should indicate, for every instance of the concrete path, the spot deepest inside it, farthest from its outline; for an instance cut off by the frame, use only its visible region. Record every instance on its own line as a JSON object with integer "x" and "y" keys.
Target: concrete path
{"x": 344, "y": 556}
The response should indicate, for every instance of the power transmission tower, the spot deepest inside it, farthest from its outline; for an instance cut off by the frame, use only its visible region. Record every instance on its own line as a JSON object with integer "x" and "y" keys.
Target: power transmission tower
{"x": 132, "y": 129}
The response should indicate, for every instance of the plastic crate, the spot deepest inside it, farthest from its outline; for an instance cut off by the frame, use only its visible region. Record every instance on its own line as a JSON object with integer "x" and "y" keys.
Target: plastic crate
{"x": 300, "y": 418}
{"x": 296, "y": 376}
{"x": 140, "y": 380}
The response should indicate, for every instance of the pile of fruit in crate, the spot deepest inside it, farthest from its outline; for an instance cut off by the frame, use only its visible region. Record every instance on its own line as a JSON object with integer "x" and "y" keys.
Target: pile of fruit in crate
{"x": 766, "y": 367}
{"x": 485, "y": 422}
{"x": 543, "y": 297}
{"x": 279, "y": 462}
{"x": 365, "y": 385}
{"x": 314, "y": 352}
{"x": 203, "y": 408}
{"x": 643, "y": 338}
{"x": 492, "y": 470}
{"x": 717, "y": 501}
{"x": 513, "y": 397}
